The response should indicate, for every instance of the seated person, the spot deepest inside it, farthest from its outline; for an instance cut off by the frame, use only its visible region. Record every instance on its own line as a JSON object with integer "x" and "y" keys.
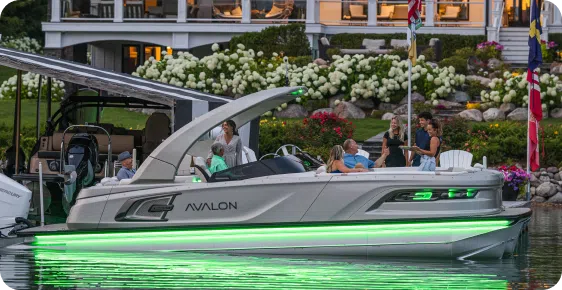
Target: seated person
{"x": 126, "y": 171}
{"x": 353, "y": 160}
{"x": 335, "y": 162}
{"x": 217, "y": 162}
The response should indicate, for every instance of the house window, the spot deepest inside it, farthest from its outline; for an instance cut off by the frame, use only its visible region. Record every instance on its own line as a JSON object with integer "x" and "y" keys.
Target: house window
{"x": 154, "y": 51}
{"x": 131, "y": 58}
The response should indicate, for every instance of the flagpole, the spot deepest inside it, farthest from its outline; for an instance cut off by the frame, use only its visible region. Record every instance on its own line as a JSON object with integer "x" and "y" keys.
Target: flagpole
{"x": 410, "y": 89}
{"x": 528, "y": 193}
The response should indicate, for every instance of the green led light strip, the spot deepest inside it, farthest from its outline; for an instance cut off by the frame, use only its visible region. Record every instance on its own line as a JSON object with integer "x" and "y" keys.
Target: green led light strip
{"x": 422, "y": 196}
{"x": 222, "y": 238}
{"x": 75, "y": 269}
{"x": 279, "y": 230}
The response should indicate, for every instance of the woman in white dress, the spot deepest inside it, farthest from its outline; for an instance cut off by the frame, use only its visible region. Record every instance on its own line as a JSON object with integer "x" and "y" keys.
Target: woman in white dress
{"x": 232, "y": 145}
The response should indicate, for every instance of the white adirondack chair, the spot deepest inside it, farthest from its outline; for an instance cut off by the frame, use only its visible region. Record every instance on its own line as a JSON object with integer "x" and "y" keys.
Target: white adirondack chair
{"x": 455, "y": 158}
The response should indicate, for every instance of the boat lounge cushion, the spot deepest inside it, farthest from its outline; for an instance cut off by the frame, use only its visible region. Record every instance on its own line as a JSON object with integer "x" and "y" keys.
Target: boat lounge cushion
{"x": 119, "y": 143}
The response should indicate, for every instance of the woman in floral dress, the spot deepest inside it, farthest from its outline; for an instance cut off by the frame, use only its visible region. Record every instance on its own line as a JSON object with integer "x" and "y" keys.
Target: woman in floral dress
{"x": 232, "y": 145}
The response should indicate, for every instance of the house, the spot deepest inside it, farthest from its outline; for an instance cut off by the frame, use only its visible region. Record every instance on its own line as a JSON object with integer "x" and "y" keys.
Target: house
{"x": 122, "y": 34}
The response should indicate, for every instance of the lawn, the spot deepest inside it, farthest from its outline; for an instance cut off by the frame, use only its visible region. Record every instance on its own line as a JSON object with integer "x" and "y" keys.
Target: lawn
{"x": 6, "y": 73}
{"x": 118, "y": 116}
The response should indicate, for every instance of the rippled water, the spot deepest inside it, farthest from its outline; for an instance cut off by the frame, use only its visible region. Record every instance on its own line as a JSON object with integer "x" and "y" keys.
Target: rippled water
{"x": 538, "y": 265}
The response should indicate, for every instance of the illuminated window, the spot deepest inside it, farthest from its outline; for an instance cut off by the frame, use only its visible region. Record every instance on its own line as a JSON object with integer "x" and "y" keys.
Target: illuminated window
{"x": 131, "y": 58}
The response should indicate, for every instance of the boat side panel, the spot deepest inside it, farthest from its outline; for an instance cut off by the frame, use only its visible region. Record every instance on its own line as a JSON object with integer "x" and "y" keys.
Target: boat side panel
{"x": 285, "y": 199}
{"x": 363, "y": 196}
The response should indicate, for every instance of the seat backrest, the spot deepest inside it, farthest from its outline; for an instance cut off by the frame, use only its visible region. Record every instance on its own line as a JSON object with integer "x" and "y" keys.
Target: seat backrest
{"x": 119, "y": 143}
{"x": 356, "y": 10}
{"x": 452, "y": 10}
{"x": 455, "y": 158}
{"x": 156, "y": 130}
{"x": 397, "y": 43}
{"x": 248, "y": 156}
{"x": 387, "y": 10}
{"x": 363, "y": 153}
{"x": 373, "y": 43}
{"x": 400, "y": 12}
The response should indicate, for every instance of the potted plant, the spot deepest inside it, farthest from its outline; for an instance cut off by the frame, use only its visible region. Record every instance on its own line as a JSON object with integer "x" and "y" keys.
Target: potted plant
{"x": 515, "y": 181}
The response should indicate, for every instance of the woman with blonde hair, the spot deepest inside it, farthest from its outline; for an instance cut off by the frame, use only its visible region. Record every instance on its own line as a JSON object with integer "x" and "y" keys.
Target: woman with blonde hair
{"x": 393, "y": 139}
{"x": 335, "y": 162}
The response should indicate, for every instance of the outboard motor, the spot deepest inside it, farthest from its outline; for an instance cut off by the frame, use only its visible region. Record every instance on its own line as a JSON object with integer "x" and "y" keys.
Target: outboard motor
{"x": 15, "y": 201}
{"x": 81, "y": 157}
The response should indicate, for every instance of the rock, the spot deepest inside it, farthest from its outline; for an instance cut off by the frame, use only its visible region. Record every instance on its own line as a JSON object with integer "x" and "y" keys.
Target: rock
{"x": 446, "y": 104}
{"x": 432, "y": 64}
{"x": 556, "y": 68}
{"x": 333, "y": 100}
{"x": 543, "y": 171}
{"x": 558, "y": 188}
{"x": 545, "y": 113}
{"x": 536, "y": 174}
{"x": 551, "y": 176}
{"x": 519, "y": 114}
{"x": 404, "y": 119}
{"x": 365, "y": 103}
{"x": 538, "y": 199}
{"x": 493, "y": 114}
{"x": 552, "y": 169}
{"x": 556, "y": 113}
{"x": 507, "y": 108}
{"x": 402, "y": 110}
{"x": 494, "y": 63}
{"x": 544, "y": 179}
{"x": 533, "y": 191}
{"x": 320, "y": 61}
{"x": 459, "y": 97}
{"x": 387, "y": 116}
{"x": 471, "y": 115}
{"x": 292, "y": 111}
{"x": 557, "y": 198}
{"x": 557, "y": 177}
{"x": 323, "y": 110}
{"x": 546, "y": 190}
{"x": 349, "y": 111}
{"x": 535, "y": 182}
{"x": 483, "y": 81}
{"x": 416, "y": 97}
{"x": 387, "y": 107}
{"x": 324, "y": 66}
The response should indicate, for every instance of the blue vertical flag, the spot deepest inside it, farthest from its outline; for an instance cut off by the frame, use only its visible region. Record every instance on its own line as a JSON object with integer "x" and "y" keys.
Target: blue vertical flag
{"x": 535, "y": 55}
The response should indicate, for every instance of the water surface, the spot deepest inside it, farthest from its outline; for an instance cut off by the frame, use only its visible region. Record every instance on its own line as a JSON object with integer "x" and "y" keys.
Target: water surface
{"x": 537, "y": 265}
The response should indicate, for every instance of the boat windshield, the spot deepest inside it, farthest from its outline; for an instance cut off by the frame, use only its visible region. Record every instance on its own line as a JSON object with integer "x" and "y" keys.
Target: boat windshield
{"x": 266, "y": 167}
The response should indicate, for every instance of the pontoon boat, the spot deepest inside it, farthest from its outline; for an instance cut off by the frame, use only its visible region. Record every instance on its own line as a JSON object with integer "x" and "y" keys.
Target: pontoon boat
{"x": 274, "y": 206}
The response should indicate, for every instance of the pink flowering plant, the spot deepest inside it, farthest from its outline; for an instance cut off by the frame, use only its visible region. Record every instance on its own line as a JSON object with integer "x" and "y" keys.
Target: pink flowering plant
{"x": 515, "y": 177}
{"x": 548, "y": 50}
{"x": 489, "y": 49}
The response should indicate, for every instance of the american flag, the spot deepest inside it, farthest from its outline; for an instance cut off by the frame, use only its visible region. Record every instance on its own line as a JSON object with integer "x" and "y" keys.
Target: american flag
{"x": 414, "y": 23}
{"x": 535, "y": 106}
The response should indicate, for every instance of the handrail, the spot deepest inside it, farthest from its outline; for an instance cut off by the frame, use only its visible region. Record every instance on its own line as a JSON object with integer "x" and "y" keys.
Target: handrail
{"x": 500, "y": 21}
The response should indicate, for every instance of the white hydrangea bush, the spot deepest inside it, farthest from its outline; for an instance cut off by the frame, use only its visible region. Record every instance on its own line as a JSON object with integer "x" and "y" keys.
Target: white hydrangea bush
{"x": 244, "y": 72}
{"x": 24, "y": 44}
{"x": 30, "y": 87}
{"x": 513, "y": 88}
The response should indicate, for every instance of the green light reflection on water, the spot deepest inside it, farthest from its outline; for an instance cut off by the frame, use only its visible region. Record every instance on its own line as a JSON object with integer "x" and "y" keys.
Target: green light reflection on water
{"x": 70, "y": 269}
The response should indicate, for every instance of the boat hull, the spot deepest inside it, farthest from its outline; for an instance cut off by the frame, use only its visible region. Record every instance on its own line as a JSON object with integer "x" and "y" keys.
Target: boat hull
{"x": 468, "y": 238}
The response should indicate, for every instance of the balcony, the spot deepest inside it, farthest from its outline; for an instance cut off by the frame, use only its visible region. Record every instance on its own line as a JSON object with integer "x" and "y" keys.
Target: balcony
{"x": 382, "y": 13}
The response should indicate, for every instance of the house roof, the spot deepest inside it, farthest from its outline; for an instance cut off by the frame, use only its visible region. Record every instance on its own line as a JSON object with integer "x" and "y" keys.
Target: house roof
{"x": 96, "y": 78}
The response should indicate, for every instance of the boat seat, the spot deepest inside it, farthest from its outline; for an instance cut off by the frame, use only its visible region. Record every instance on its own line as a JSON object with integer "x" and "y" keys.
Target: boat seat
{"x": 455, "y": 158}
{"x": 248, "y": 156}
{"x": 156, "y": 130}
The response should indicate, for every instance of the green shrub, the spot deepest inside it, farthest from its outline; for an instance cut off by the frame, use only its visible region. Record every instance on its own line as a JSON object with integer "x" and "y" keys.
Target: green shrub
{"x": 465, "y": 52}
{"x": 331, "y": 52}
{"x": 429, "y": 54}
{"x": 401, "y": 52}
{"x": 458, "y": 62}
{"x": 300, "y": 60}
{"x": 290, "y": 39}
{"x": 422, "y": 107}
{"x": 475, "y": 88}
{"x": 455, "y": 134}
{"x": 450, "y": 42}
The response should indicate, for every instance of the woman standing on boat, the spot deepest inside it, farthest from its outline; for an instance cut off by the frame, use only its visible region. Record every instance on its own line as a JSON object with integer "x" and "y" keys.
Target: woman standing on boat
{"x": 393, "y": 138}
{"x": 232, "y": 145}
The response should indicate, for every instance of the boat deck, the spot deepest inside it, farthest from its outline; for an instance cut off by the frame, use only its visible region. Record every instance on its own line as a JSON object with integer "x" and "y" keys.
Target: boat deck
{"x": 517, "y": 204}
